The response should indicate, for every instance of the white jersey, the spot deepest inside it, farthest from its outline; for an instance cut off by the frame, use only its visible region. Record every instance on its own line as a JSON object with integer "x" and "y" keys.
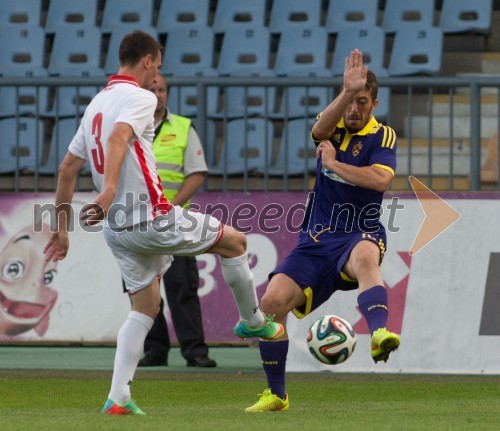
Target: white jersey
{"x": 139, "y": 197}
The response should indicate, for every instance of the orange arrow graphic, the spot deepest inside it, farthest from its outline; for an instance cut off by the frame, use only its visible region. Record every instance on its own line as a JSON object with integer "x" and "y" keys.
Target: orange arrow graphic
{"x": 439, "y": 215}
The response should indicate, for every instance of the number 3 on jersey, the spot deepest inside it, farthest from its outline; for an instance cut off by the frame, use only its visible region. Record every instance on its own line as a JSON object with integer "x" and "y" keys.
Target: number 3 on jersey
{"x": 98, "y": 153}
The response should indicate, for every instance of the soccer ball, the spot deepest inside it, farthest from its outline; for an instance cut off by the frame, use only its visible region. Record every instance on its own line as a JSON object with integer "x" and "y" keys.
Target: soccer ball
{"x": 331, "y": 339}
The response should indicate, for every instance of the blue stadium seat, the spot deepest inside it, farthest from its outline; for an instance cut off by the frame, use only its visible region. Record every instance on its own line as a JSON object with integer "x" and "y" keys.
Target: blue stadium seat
{"x": 76, "y": 52}
{"x": 382, "y": 112}
{"x": 62, "y": 133}
{"x": 241, "y": 13}
{"x": 287, "y": 14}
{"x": 297, "y": 151}
{"x": 22, "y": 144}
{"x": 343, "y": 14}
{"x": 209, "y": 141}
{"x": 64, "y": 13}
{"x": 22, "y": 51}
{"x": 416, "y": 51}
{"x": 248, "y": 145}
{"x": 24, "y": 13}
{"x": 182, "y": 13}
{"x": 303, "y": 102}
{"x": 23, "y": 100}
{"x": 134, "y": 14}
{"x": 189, "y": 52}
{"x": 370, "y": 41}
{"x": 302, "y": 52}
{"x": 398, "y": 14}
{"x": 112, "y": 63}
{"x": 245, "y": 51}
{"x": 250, "y": 101}
{"x": 71, "y": 101}
{"x": 184, "y": 100}
{"x": 459, "y": 16}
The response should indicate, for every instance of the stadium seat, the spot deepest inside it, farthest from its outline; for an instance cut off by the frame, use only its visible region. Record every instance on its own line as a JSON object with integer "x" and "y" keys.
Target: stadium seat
{"x": 416, "y": 51}
{"x": 245, "y": 51}
{"x": 63, "y": 13}
{"x": 71, "y": 101}
{"x": 370, "y": 41}
{"x": 302, "y": 102}
{"x": 459, "y": 16}
{"x": 297, "y": 151}
{"x": 302, "y": 52}
{"x": 76, "y": 52}
{"x": 23, "y": 100}
{"x": 398, "y": 14}
{"x": 132, "y": 14}
{"x": 248, "y": 145}
{"x": 22, "y": 144}
{"x": 184, "y": 100}
{"x": 22, "y": 51}
{"x": 182, "y": 13}
{"x": 25, "y": 13}
{"x": 343, "y": 14}
{"x": 241, "y": 13}
{"x": 249, "y": 101}
{"x": 62, "y": 134}
{"x": 112, "y": 64}
{"x": 287, "y": 14}
{"x": 383, "y": 109}
{"x": 189, "y": 52}
{"x": 208, "y": 142}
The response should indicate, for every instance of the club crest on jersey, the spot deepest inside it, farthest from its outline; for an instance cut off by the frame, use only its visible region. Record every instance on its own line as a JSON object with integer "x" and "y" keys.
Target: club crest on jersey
{"x": 357, "y": 149}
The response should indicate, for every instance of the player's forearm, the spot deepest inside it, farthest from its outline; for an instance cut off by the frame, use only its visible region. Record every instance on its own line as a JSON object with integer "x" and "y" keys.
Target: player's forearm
{"x": 367, "y": 177}
{"x": 329, "y": 118}
{"x": 64, "y": 196}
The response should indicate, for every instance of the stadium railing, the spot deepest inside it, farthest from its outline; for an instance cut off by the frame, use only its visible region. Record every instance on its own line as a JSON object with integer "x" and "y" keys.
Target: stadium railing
{"x": 456, "y": 104}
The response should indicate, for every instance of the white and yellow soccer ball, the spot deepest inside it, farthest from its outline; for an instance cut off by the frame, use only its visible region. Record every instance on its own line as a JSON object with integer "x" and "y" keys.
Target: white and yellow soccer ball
{"x": 331, "y": 339}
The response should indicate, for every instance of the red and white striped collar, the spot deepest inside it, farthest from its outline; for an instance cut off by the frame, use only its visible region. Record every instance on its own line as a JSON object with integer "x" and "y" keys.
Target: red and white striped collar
{"x": 122, "y": 79}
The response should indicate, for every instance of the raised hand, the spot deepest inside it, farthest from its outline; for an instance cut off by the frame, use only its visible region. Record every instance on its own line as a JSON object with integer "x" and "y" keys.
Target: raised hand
{"x": 354, "y": 72}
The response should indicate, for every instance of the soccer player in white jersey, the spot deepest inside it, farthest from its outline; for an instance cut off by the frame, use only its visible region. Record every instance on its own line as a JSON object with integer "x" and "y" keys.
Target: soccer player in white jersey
{"x": 141, "y": 227}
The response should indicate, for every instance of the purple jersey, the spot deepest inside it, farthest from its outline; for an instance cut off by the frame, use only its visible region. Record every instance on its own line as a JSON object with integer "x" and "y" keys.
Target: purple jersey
{"x": 339, "y": 215}
{"x": 336, "y": 205}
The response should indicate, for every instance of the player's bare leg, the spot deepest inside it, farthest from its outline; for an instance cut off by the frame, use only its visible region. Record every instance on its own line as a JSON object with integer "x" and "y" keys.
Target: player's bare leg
{"x": 364, "y": 265}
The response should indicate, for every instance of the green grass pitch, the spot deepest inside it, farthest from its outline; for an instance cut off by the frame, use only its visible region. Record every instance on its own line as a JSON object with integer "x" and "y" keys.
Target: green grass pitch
{"x": 71, "y": 400}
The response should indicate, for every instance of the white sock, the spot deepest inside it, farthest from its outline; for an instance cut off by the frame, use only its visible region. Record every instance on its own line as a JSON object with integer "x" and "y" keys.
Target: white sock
{"x": 237, "y": 274}
{"x": 129, "y": 347}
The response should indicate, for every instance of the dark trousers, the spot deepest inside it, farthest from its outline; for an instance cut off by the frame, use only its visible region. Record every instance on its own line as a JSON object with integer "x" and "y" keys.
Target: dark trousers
{"x": 181, "y": 287}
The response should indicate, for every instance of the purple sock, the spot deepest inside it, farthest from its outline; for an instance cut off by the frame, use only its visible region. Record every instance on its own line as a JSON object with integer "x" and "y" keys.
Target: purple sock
{"x": 273, "y": 355}
{"x": 373, "y": 305}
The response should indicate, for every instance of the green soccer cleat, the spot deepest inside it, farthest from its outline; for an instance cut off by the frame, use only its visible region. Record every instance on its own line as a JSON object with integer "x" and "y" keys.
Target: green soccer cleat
{"x": 128, "y": 408}
{"x": 383, "y": 343}
{"x": 269, "y": 402}
{"x": 269, "y": 331}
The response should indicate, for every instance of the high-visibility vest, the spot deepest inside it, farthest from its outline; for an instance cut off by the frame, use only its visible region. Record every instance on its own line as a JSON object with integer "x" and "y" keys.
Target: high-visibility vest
{"x": 169, "y": 146}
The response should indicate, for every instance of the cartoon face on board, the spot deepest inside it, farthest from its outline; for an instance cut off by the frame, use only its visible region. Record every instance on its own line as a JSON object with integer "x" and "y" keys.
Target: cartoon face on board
{"x": 26, "y": 296}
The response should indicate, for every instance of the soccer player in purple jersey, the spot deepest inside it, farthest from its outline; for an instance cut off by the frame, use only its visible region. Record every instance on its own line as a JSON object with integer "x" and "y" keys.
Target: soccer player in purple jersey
{"x": 342, "y": 241}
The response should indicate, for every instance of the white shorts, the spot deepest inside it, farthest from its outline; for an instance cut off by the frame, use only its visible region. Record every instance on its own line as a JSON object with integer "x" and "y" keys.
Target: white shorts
{"x": 144, "y": 251}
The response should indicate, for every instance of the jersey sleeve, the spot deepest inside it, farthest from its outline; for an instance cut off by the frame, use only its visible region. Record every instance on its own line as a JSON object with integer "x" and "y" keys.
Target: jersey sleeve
{"x": 138, "y": 111}
{"x": 77, "y": 144}
{"x": 384, "y": 152}
{"x": 194, "y": 158}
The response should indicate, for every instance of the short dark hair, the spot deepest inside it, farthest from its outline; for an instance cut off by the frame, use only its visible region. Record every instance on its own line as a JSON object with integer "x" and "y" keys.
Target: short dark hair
{"x": 136, "y": 45}
{"x": 371, "y": 84}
